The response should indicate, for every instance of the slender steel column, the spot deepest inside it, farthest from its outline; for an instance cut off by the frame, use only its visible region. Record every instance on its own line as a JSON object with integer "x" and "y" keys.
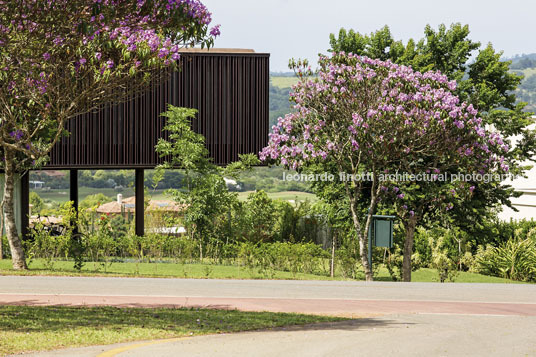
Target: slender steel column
{"x": 139, "y": 202}
{"x": 73, "y": 194}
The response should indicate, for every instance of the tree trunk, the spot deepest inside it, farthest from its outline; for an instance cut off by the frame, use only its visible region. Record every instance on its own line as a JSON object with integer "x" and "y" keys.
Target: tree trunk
{"x": 363, "y": 244}
{"x": 15, "y": 243}
{"x": 333, "y": 245}
{"x": 2, "y": 230}
{"x": 408, "y": 248}
{"x": 367, "y": 266}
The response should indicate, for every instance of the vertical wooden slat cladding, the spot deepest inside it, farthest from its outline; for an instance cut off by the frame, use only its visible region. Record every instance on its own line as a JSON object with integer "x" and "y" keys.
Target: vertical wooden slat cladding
{"x": 229, "y": 90}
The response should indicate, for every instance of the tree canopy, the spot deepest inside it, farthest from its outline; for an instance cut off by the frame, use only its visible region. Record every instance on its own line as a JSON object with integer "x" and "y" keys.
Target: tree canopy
{"x": 67, "y": 57}
{"x": 367, "y": 118}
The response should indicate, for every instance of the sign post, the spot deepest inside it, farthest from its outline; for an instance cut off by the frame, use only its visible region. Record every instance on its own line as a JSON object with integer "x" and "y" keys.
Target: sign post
{"x": 380, "y": 233}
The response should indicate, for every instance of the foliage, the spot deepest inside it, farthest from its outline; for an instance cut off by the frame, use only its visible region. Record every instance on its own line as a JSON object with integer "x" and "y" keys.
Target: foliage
{"x": 37, "y": 203}
{"x": 365, "y": 116}
{"x": 55, "y": 67}
{"x": 49, "y": 244}
{"x": 45, "y": 245}
{"x": 296, "y": 223}
{"x": 206, "y": 196}
{"x": 514, "y": 259}
{"x": 306, "y": 258}
{"x": 259, "y": 217}
{"x": 93, "y": 201}
{"x": 441, "y": 261}
{"x": 486, "y": 83}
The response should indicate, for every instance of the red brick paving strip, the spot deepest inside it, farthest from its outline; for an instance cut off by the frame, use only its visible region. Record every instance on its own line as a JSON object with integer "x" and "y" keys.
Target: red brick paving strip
{"x": 334, "y": 307}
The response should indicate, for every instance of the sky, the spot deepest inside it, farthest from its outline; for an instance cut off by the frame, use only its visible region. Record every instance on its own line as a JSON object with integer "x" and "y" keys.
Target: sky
{"x": 300, "y": 28}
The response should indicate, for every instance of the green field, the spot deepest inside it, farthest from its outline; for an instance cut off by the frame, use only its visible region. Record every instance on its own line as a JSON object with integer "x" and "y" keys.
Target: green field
{"x": 62, "y": 195}
{"x": 215, "y": 271}
{"x": 284, "y": 195}
{"x": 33, "y": 328}
{"x": 527, "y": 72}
{"x": 284, "y": 82}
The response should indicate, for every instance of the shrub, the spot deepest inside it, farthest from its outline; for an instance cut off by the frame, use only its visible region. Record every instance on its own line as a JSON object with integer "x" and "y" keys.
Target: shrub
{"x": 295, "y": 258}
{"x": 260, "y": 217}
{"x": 44, "y": 244}
{"x": 515, "y": 259}
{"x": 441, "y": 261}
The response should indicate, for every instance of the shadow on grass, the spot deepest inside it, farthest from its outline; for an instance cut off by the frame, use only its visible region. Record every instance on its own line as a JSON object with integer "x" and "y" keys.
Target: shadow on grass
{"x": 28, "y": 319}
{"x": 176, "y": 321}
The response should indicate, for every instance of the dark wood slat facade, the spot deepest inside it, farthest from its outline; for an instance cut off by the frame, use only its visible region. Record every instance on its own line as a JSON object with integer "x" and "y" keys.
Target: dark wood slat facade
{"x": 230, "y": 91}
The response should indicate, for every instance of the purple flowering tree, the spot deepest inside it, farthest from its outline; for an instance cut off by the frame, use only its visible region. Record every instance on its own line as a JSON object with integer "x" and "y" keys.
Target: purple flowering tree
{"x": 65, "y": 57}
{"x": 369, "y": 118}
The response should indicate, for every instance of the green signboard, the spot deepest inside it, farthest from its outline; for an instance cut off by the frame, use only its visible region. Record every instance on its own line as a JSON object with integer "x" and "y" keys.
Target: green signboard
{"x": 383, "y": 233}
{"x": 380, "y": 233}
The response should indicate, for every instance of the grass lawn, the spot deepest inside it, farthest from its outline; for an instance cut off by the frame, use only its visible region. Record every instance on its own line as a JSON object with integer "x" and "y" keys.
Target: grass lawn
{"x": 284, "y": 82}
{"x": 214, "y": 271}
{"x": 62, "y": 195}
{"x": 160, "y": 270}
{"x": 27, "y": 329}
{"x": 283, "y": 195}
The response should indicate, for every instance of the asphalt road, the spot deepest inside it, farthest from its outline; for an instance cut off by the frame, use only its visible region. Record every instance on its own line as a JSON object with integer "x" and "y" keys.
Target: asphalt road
{"x": 417, "y": 319}
{"x": 424, "y": 335}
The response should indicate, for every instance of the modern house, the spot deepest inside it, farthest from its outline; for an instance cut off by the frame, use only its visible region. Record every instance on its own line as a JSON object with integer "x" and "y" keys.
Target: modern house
{"x": 228, "y": 87}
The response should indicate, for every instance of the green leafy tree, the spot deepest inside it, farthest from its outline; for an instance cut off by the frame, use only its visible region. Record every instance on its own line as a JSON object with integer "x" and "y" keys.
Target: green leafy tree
{"x": 204, "y": 194}
{"x": 487, "y": 84}
{"x": 260, "y": 216}
{"x": 366, "y": 118}
{"x": 37, "y": 202}
{"x": 67, "y": 57}
{"x": 93, "y": 201}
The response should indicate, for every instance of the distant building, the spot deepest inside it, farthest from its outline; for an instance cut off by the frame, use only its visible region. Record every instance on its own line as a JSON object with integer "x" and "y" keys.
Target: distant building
{"x": 37, "y": 185}
{"x": 526, "y": 204}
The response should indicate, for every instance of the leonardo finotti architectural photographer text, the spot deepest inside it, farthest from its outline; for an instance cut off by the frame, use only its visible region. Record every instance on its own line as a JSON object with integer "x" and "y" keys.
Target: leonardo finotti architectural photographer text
{"x": 398, "y": 177}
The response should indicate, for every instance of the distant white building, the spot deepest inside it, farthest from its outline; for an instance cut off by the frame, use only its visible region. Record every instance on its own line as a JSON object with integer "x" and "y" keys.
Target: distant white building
{"x": 230, "y": 183}
{"x": 37, "y": 184}
{"x": 526, "y": 203}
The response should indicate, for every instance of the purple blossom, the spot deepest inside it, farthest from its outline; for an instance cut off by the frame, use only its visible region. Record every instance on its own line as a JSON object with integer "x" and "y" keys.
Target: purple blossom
{"x": 413, "y": 107}
{"x": 58, "y": 41}
{"x": 17, "y": 134}
{"x": 215, "y": 31}
{"x": 163, "y": 52}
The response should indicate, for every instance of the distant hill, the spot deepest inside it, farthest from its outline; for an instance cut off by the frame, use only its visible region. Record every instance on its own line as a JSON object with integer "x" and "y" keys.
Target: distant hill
{"x": 523, "y": 61}
{"x": 279, "y": 99}
{"x": 524, "y": 64}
